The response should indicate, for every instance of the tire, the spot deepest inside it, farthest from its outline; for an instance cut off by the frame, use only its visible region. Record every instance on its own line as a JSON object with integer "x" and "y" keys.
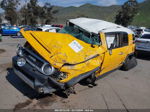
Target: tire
{"x": 130, "y": 63}
{"x": 137, "y": 54}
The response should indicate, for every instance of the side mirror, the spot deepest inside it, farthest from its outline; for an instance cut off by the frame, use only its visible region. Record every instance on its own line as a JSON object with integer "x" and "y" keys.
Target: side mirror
{"x": 111, "y": 46}
{"x": 110, "y": 49}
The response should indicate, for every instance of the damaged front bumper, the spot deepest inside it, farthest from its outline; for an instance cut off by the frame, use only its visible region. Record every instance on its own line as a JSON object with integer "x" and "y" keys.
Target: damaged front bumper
{"x": 44, "y": 84}
{"x": 36, "y": 80}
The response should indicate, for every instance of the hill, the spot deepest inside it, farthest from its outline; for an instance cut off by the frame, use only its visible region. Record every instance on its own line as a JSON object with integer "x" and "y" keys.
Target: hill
{"x": 104, "y": 13}
{"x": 87, "y": 10}
{"x": 143, "y": 17}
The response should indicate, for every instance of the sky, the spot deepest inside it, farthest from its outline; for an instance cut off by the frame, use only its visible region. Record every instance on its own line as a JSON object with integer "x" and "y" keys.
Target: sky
{"x": 77, "y": 3}
{"x": 66, "y": 3}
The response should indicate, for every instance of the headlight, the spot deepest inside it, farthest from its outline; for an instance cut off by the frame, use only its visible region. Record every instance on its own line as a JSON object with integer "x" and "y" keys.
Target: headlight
{"x": 62, "y": 76}
{"x": 59, "y": 75}
{"x": 48, "y": 69}
{"x": 20, "y": 52}
{"x": 21, "y": 62}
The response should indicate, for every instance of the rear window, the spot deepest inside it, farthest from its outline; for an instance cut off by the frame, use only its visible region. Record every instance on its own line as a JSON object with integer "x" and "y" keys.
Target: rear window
{"x": 146, "y": 36}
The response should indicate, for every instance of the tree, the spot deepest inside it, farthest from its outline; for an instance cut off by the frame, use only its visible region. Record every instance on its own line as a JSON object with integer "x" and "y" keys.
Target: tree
{"x": 126, "y": 14}
{"x": 10, "y": 6}
{"x": 47, "y": 13}
{"x": 32, "y": 11}
{"x": 24, "y": 13}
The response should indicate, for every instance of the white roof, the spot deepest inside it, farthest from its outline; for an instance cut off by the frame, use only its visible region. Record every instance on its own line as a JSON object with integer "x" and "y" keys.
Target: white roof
{"x": 96, "y": 26}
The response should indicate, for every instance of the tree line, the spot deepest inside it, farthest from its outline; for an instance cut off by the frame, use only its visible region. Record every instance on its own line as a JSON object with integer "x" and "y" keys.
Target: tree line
{"x": 30, "y": 13}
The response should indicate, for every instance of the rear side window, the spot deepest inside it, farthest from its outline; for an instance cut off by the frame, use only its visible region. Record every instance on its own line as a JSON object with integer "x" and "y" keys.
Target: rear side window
{"x": 116, "y": 39}
{"x": 123, "y": 39}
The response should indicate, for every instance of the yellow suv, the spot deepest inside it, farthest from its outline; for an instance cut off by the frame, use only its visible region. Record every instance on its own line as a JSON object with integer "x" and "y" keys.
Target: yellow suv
{"x": 84, "y": 50}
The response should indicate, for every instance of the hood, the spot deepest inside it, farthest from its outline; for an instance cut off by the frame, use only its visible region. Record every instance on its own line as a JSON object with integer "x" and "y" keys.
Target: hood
{"x": 61, "y": 48}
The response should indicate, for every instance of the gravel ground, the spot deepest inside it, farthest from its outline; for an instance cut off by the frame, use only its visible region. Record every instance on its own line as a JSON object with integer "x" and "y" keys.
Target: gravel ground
{"x": 119, "y": 90}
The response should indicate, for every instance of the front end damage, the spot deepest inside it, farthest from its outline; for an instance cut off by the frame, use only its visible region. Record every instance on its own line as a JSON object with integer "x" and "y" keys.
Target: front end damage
{"x": 47, "y": 69}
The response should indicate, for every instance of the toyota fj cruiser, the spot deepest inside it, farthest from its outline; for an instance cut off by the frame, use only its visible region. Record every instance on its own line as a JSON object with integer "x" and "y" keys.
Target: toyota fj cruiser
{"x": 84, "y": 50}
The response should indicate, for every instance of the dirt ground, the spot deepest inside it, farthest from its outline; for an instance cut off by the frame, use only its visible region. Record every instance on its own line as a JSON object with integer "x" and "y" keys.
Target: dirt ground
{"x": 119, "y": 90}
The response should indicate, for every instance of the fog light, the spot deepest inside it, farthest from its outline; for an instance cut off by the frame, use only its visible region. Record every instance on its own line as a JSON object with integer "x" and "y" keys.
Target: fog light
{"x": 21, "y": 62}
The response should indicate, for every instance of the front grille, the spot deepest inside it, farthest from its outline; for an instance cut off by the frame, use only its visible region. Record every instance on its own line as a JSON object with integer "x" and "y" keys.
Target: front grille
{"x": 28, "y": 76}
{"x": 34, "y": 59}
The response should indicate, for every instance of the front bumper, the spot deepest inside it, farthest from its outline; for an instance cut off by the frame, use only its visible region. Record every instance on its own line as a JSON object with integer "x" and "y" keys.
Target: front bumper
{"x": 42, "y": 83}
{"x": 36, "y": 80}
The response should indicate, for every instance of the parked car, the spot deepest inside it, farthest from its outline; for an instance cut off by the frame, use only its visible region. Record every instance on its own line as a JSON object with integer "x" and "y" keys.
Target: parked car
{"x": 10, "y": 30}
{"x": 4, "y": 25}
{"x": 58, "y": 25}
{"x": 143, "y": 43}
{"x": 84, "y": 50}
{"x": 30, "y": 28}
{"x": 141, "y": 31}
{"x": 48, "y": 29}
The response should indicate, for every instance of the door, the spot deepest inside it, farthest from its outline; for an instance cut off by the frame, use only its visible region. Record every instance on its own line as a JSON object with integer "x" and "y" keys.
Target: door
{"x": 117, "y": 47}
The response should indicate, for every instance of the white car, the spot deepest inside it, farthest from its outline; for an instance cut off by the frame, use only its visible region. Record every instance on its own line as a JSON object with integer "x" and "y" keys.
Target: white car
{"x": 48, "y": 29}
{"x": 143, "y": 43}
{"x": 141, "y": 31}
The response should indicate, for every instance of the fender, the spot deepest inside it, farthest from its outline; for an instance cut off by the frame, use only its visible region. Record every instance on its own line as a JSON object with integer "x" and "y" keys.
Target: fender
{"x": 75, "y": 80}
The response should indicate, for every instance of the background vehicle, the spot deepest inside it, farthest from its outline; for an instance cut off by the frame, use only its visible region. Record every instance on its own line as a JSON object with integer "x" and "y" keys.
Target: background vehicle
{"x": 141, "y": 31}
{"x": 48, "y": 29}
{"x": 30, "y": 28}
{"x": 143, "y": 43}
{"x": 10, "y": 30}
{"x": 58, "y": 25}
{"x": 84, "y": 50}
{"x": 4, "y": 25}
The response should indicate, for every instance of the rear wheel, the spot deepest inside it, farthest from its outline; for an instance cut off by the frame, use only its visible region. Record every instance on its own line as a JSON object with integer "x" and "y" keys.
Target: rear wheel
{"x": 130, "y": 63}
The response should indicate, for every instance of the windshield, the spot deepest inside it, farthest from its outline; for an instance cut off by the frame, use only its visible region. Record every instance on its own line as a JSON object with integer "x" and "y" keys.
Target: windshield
{"x": 146, "y": 36}
{"x": 81, "y": 34}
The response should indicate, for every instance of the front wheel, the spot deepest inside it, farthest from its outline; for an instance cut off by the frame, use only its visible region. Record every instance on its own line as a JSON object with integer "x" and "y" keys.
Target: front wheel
{"x": 130, "y": 63}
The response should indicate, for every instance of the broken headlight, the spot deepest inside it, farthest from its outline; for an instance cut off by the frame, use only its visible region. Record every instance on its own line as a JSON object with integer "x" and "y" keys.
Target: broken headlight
{"x": 59, "y": 75}
{"x": 62, "y": 76}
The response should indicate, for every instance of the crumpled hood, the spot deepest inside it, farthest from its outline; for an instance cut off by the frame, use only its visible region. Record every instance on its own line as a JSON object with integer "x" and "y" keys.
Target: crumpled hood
{"x": 62, "y": 48}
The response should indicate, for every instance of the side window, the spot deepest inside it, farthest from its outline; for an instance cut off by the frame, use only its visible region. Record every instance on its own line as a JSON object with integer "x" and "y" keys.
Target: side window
{"x": 116, "y": 39}
{"x": 123, "y": 39}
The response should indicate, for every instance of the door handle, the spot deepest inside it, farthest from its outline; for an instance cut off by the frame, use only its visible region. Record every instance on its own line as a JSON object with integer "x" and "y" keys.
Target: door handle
{"x": 121, "y": 53}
